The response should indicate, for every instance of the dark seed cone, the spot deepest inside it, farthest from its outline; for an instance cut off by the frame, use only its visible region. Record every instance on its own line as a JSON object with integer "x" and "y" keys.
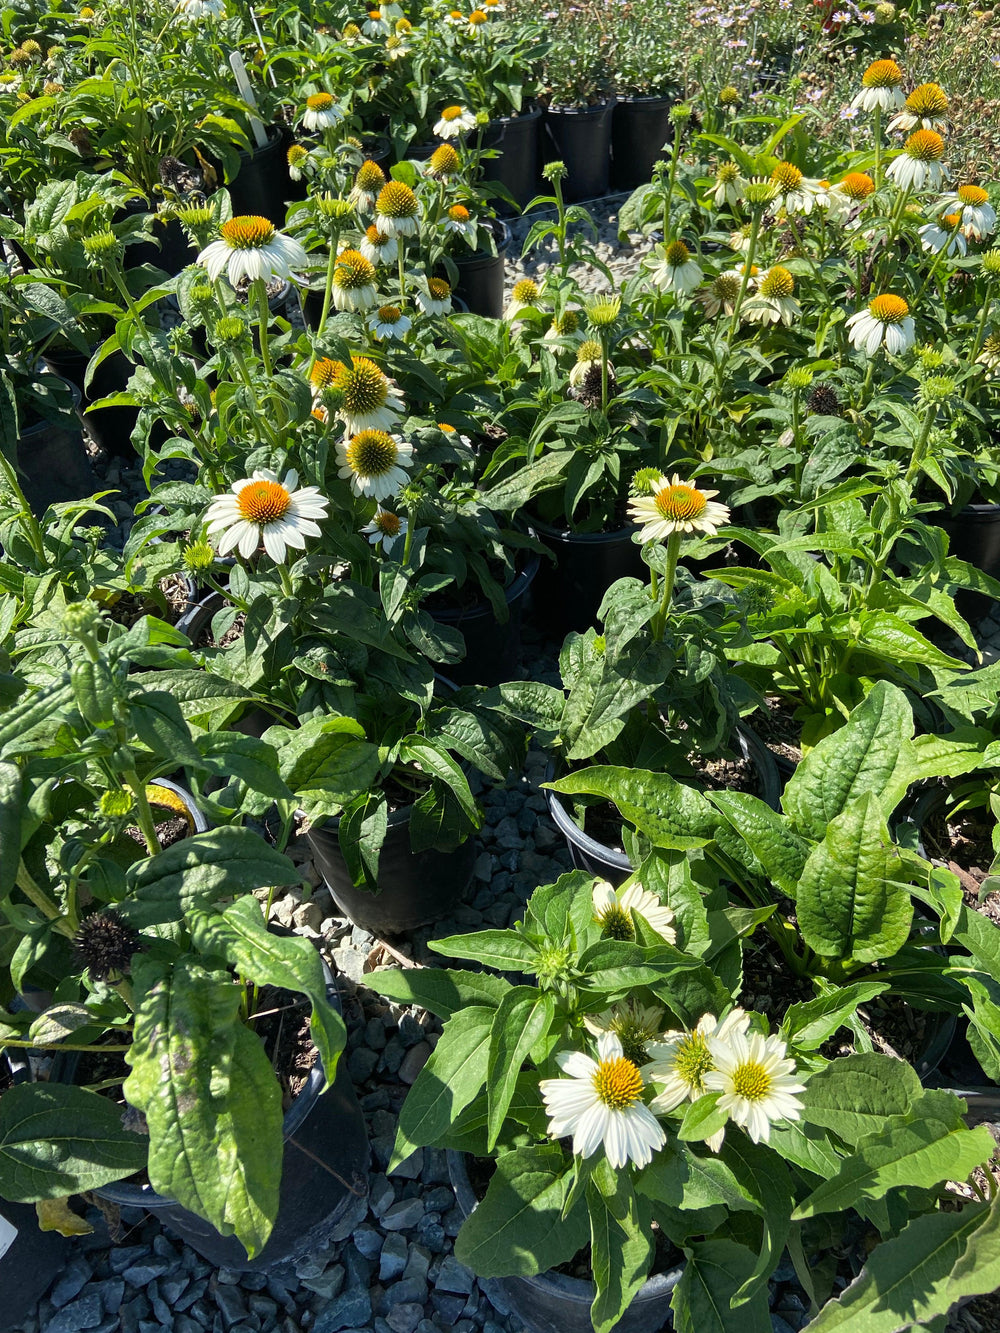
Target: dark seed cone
{"x": 590, "y": 390}
{"x": 105, "y": 942}
{"x": 824, "y": 401}
{"x": 179, "y": 177}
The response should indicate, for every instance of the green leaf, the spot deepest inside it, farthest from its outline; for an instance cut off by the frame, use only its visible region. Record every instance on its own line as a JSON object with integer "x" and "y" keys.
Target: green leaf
{"x": 681, "y": 1178}
{"x": 10, "y": 827}
{"x": 621, "y": 1245}
{"x": 228, "y": 754}
{"x": 241, "y": 937}
{"x": 923, "y": 1154}
{"x": 160, "y": 725}
{"x": 779, "y": 849}
{"x": 211, "y": 1100}
{"x": 670, "y": 814}
{"x": 932, "y": 1264}
{"x": 851, "y": 904}
{"x": 769, "y": 1186}
{"x": 327, "y": 762}
{"x": 522, "y": 1017}
{"x": 702, "y": 1119}
{"x": 201, "y": 870}
{"x": 453, "y": 1075}
{"x": 864, "y": 756}
{"x": 437, "y": 763}
{"x": 855, "y": 1095}
{"x": 702, "y": 1300}
{"x": 57, "y": 1140}
{"x": 441, "y": 991}
{"x": 808, "y": 1024}
{"x": 613, "y": 968}
{"x": 505, "y": 950}
{"x": 518, "y": 1229}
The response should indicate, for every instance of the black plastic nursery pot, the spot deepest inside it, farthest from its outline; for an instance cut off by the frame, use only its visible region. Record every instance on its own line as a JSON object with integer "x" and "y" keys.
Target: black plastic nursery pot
{"x": 109, "y": 427}
{"x": 262, "y": 186}
{"x": 491, "y": 648}
{"x": 515, "y": 138}
{"x": 171, "y": 251}
{"x": 973, "y": 536}
{"x": 580, "y": 137}
{"x": 52, "y": 462}
{"x": 566, "y": 594}
{"x": 481, "y": 274}
{"x": 595, "y": 858}
{"x": 640, "y": 130}
{"x": 414, "y": 888}
{"x": 553, "y": 1303}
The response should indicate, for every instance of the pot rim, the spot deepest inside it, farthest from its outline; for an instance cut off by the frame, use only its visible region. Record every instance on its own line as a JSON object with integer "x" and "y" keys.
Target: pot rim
{"x": 549, "y": 531}
{"x": 481, "y": 610}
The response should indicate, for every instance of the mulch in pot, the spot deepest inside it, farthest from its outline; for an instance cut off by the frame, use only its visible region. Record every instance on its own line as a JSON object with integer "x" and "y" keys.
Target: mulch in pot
{"x": 776, "y": 726}
{"x": 130, "y": 607}
{"x": 963, "y": 842}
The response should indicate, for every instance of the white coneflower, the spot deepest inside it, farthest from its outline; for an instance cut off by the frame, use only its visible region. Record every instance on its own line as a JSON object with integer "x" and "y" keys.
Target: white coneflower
{"x": 945, "y": 236}
{"x": 721, "y": 294}
{"x": 375, "y": 462}
{"x": 849, "y": 194}
{"x": 392, "y": 13}
{"x": 677, "y": 506}
{"x": 613, "y": 910}
{"x": 881, "y": 87}
{"x": 979, "y": 218}
{"x": 264, "y": 509}
{"x": 397, "y": 210}
{"x": 756, "y": 1080}
{"x": 918, "y": 166}
{"x": 635, "y": 1025}
{"x": 297, "y": 158}
{"x": 729, "y": 185}
{"x": 443, "y": 162}
{"x": 460, "y": 221}
{"x": 434, "y": 296}
{"x": 368, "y": 182}
{"x": 588, "y": 359}
{"x": 10, "y": 81}
{"x": 388, "y": 321}
{"x": 251, "y": 248}
{"x": 322, "y": 112}
{"x": 451, "y": 434}
{"x": 478, "y": 20}
{"x": 201, "y": 9}
{"x": 369, "y": 402}
{"x": 990, "y": 355}
{"x": 455, "y": 19}
{"x": 566, "y": 325}
{"x": 455, "y": 120}
{"x": 926, "y": 108}
{"x": 797, "y": 194}
{"x": 385, "y": 529}
{"x": 678, "y": 1062}
{"x": 375, "y": 25}
{"x": 773, "y": 302}
{"x": 378, "y": 248}
{"x": 887, "y": 323}
{"x": 676, "y": 271}
{"x": 354, "y": 282}
{"x": 396, "y": 47}
{"x": 599, "y": 1102}
{"x": 739, "y": 240}
{"x": 525, "y": 294}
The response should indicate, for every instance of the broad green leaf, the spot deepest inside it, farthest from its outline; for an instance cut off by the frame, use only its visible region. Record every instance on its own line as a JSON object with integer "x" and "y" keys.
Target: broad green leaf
{"x": 850, "y": 904}
{"x": 855, "y": 1095}
{"x": 808, "y": 1024}
{"x": 202, "y": 870}
{"x": 505, "y": 950}
{"x": 923, "y": 1153}
{"x": 768, "y": 1185}
{"x": 200, "y": 695}
{"x": 437, "y": 763}
{"x": 779, "y": 849}
{"x": 613, "y": 968}
{"x": 448, "y": 1082}
{"x": 686, "y": 1180}
{"x": 702, "y": 1300}
{"x": 865, "y": 756}
{"x": 211, "y": 1100}
{"x": 60, "y": 1021}
{"x": 518, "y": 1228}
{"x": 936, "y": 1261}
{"x": 240, "y": 936}
{"x": 228, "y": 754}
{"x": 670, "y": 814}
{"x": 897, "y": 640}
{"x": 10, "y": 826}
{"x": 439, "y": 990}
{"x": 326, "y": 762}
{"x": 621, "y": 1244}
{"x": 702, "y": 1119}
{"x": 556, "y": 912}
{"x": 807, "y": 1147}
{"x": 160, "y": 725}
{"x": 522, "y": 1016}
{"x": 57, "y": 1140}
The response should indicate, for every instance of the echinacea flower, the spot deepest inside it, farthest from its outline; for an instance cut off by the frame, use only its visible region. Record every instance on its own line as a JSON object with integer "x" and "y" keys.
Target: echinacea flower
{"x": 566, "y": 325}
{"x": 756, "y": 1080}
{"x": 375, "y": 462}
{"x": 881, "y": 87}
{"x": 264, "y": 509}
{"x": 979, "y": 218}
{"x": 990, "y": 355}
{"x": 849, "y": 194}
{"x": 378, "y": 248}
{"x": 397, "y": 210}
{"x": 797, "y": 194}
{"x": 354, "y": 282}
{"x": 368, "y": 182}
{"x": 369, "y": 402}
{"x": 455, "y": 120}
{"x": 773, "y": 301}
{"x": 633, "y": 1023}
{"x": 613, "y": 910}
{"x": 945, "y": 236}
{"x": 297, "y": 157}
{"x": 385, "y": 529}
{"x": 201, "y": 9}
{"x": 388, "y": 321}
{"x": 251, "y": 248}
{"x": 477, "y": 21}
{"x": 443, "y": 162}
{"x": 926, "y": 108}
{"x": 396, "y": 47}
{"x": 460, "y": 221}
{"x": 677, "y": 506}
{"x": 588, "y": 358}
{"x": 525, "y": 294}
{"x": 918, "y": 166}
{"x": 678, "y": 1062}
{"x": 722, "y": 293}
{"x": 375, "y": 25}
{"x": 434, "y": 297}
{"x": 599, "y": 1102}
{"x": 886, "y": 322}
{"x": 322, "y": 112}
{"x": 676, "y": 271}
{"x": 729, "y": 185}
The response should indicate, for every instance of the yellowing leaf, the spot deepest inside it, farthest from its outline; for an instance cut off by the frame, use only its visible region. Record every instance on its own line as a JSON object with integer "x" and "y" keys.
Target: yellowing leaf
{"x": 56, "y": 1215}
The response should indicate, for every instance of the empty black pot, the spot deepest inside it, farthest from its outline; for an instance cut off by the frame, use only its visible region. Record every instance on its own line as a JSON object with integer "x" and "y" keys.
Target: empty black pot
{"x": 580, "y": 137}
{"x": 262, "y": 186}
{"x": 481, "y": 275}
{"x": 110, "y": 427}
{"x": 974, "y": 536}
{"x": 52, "y": 462}
{"x": 566, "y": 595}
{"x": 516, "y": 140}
{"x": 640, "y": 129}
{"x": 491, "y": 648}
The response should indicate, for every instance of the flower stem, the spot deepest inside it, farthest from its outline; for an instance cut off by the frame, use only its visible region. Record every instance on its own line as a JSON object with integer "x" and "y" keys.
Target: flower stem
{"x": 143, "y": 814}
{"x": 745, "y": 281}
{"x": 667, "y": 592}
{"x": 877, "y": 133}
{"x": 264, "y": 320}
